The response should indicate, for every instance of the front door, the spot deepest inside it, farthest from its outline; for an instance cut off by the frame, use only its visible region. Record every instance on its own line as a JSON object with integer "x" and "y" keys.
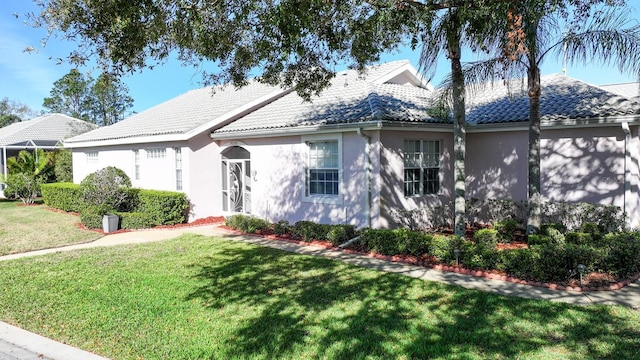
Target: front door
{"x": 236, "y": 183}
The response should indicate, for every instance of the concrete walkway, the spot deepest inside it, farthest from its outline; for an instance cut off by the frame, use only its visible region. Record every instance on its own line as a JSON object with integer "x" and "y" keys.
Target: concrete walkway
{"x": 17, "y": 344}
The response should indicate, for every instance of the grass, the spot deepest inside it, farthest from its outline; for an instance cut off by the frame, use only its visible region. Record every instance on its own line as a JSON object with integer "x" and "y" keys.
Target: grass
{"x": 198, "y": 297}
{"x": 26, "y": 228}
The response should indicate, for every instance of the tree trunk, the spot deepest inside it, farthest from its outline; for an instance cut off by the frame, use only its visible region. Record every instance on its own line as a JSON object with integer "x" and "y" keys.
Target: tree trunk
{"x": 459, "y": 130}
{"x": 535, "y": 200}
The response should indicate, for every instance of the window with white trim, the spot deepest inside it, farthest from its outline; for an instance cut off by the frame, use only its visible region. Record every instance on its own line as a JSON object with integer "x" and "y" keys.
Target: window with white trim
{"x": 92, "y": 157}
{"x": 421, "y": 167}
{"x": 136, "y": 160}
{"x": 323, "y": 172}
{"x": 178, "y": 154}
{"x": 156, "y": 153}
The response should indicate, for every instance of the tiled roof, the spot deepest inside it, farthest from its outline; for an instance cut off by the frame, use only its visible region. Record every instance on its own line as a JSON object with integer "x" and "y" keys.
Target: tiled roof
{"x": 629, "y": 90}
{"x": 181, "y": 114}
{"x": 49, "y": 128}
{"x": 562, "y": 98}
{"x": 350, "y": 99}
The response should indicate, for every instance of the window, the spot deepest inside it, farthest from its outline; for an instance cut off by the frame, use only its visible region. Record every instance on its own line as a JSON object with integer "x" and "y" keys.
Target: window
{"x": 92, "y": 157}
{"x": 156, "y": 153}
{"x": 323, "y": 170}
{"x": 421, "y": 167}
{"x": 178, "y": 153}
{"x": 136, "y": 159}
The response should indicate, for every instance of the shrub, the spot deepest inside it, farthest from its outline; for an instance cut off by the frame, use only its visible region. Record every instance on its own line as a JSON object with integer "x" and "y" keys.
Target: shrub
{"x": 579, "y": 238}
{"x": 164, "y": 207}
{"x": 62, "y": 165}
{"x": 339, "y": 234}
{"x": 91, "y": 217}
{"x": 506, "y": 230}
{"x": 282, "y": 227}
{"x": 556, "y": 236}
{"x": 417, "y": 243}
{"x": 23, "y": 186}
{"x": 247, "y": 224}
{"x": 308, "y": 230}
{"x": 595, "y": 230}
{"x": 621, "y": 254}
{"x": 486, "y": 237}
{"x": 63, "y": 196}
{"x": 519, "y": 263}
{"x": 105, "y": 187}
{"x": 135, "y": 220}
{"x": 535, "y": 239}
{"x": 441, "y": 247}
{"x": 381, "y": 241}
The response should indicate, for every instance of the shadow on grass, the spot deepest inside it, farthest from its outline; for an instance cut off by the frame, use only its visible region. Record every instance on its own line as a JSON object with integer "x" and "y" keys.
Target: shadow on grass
{"x": 299, "y": 303}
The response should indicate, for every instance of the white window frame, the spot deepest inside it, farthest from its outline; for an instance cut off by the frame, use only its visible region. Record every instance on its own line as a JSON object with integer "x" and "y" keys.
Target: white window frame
{"x": 178, "y": 167}
{"x": 136, "y": 164}
{"x": 322, "y": 198}
{"x": 422, "y": 166}
{"x": 156, "y": 153}
{"x": 92, "y": 157}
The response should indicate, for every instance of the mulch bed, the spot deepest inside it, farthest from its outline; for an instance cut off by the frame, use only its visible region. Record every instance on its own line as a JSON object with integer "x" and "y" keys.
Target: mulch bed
{"x": 590, "y": 282}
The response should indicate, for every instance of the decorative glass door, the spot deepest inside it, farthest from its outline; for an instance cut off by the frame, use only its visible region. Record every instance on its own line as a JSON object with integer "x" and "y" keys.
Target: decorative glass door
{"x": 236, "y": 182}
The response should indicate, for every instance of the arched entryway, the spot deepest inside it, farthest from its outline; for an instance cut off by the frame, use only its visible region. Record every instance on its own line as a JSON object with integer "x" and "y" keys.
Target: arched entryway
{"x": 236, "y": 180}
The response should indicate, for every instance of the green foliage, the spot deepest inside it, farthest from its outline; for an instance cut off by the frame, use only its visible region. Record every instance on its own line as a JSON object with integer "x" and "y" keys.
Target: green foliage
{"x": 105, "y": 187}
{"x": 70, "y": 95}
{"x": 164, "y": 207}
{"x": 135, "y": 220}
{"x": 339, "y": 234}
{"x": 91, "y": 217}
{"x": 595, "y": 230}
{"x": 573, "y": 215}
{"x": 24, "y": 186}
{"x": 12, "y": 111}
{"x": 382, "y": 241}
{"x": 8, "y": 119}
{"x": 63, "y": 196}
{"x": 282, "y": 227}
{"x": 308, "y": 230}
{"x": 486, "y": 237}
{"x": 108, "y": 100}
{"x": 579, "y": 238}
{"x": 441, "y": 247}
{"x": 506, "y": 230}
{"x": 247, "y": 224}
{"x": 621, "y": 255}
{"x": 558, "y": 226}
{"x": 536, "y": 239}
{"x": 62, "y": 166}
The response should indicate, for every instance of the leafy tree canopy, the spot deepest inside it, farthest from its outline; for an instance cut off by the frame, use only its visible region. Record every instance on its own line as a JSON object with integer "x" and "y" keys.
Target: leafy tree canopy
{"x": 103, "y": 101}
{"x": 12, "y": 111}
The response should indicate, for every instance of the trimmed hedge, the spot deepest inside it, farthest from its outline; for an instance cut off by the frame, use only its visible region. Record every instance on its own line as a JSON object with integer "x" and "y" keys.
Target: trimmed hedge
{"x": 134, "y": 220}
{"x": 91, "y": 219}
{"x": 63, "y": 196}
{"x": 164, "y": 207}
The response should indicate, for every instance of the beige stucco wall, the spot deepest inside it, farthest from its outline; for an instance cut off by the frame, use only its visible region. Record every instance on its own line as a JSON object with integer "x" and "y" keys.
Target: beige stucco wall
{"x": 392, "y": 173}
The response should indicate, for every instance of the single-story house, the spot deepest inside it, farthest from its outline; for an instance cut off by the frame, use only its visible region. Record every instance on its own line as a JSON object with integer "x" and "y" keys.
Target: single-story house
{"x": 44, "y": 132}
{"x": 368, "y": 145}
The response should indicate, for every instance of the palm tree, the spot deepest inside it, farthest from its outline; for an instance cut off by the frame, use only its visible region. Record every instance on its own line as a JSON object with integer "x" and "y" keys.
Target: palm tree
{"x": 35, "y": 164}
{"x": 532, "y": 31}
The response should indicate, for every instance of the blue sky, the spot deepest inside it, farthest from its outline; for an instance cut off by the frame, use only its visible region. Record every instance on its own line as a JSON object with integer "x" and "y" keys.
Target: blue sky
{"x": 29, "y": 77}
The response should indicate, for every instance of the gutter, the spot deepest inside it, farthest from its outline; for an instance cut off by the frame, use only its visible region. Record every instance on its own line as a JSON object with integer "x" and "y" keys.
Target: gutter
{"x": 367, "y": 168}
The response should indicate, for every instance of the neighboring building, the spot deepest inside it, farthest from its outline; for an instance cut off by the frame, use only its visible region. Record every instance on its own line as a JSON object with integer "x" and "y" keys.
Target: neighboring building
{"x": 366, "y": 146}
{"x": 44, "y": 132}
{"x": 630, "y": 90}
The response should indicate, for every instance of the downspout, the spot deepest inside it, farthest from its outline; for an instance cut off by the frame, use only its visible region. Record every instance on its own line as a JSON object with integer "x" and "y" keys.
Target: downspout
{"x": 367, "y": 168}
{"x": 628, "y": 206}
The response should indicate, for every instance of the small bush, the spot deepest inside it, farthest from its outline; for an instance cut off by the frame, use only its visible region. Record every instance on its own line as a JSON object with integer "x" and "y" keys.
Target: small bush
{"x": 544, "y": 229}
{"x": 621, "y": 254}
{"x": 91, "y": 218}
{"x": 308, "y": 230}
{"x": 486, "y": 237}
{"x": 164, "y": 207}
{"x": 595, "y": 230}
{"x": 339, "y": 234}
{"x": 417, "y": 243}
{"x": 282, "y": 227}
{"x": 63, "y": 196}
{"x": 135, "y": 220}
{"x": 579, "y": 238}
{"x": 535, "y": 239}
{"x": 24, "y": 186}
{"x": 247, "y": 224}
{"x": 381, "y": 241}
{"x": 441, "y": 247}
{"x": 506, "y": 230}
{"x": 105, "y": 187}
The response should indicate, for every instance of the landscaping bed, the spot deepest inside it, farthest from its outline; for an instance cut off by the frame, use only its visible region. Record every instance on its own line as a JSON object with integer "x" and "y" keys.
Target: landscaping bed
{"x": 610, "y": 261}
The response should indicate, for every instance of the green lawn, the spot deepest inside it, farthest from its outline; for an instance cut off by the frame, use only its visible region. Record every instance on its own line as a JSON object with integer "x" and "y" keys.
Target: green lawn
{"x": 197, "y": 297}
{"x": 26, "y": 228}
